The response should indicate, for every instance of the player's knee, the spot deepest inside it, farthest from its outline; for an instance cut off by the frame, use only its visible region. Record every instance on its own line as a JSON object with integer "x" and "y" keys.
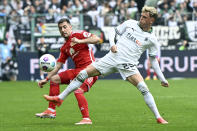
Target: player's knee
{"x": 82, "y": 76}
{"x": 142, "y": 87}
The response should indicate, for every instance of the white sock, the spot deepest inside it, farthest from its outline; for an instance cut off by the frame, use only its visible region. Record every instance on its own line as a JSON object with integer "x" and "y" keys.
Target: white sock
{"x": 151, "y": 104}
{"x": 71, "y": 87}
{"x": 51, "y": 109}
{"x": 76, "y": 83}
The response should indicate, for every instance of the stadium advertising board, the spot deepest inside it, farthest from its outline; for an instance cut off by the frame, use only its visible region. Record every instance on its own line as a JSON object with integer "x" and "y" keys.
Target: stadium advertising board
{"x": 173, "y": 63}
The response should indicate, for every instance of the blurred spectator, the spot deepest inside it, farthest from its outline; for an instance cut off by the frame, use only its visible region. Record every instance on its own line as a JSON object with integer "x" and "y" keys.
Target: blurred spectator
{"x": 172, "y": 22}
{"x": 70, "y": 7}
{"x": 2, "y": 11}
{"x": 165, "y": 12}
{"x": 132, "y": 9}
{"x": 63, "y": 3}
{"x": 14, "y": 22}
{"x": 39, "y": 6}
{"x": 54, "y": 10}
{"x": 20, "y": 46}
{"x": 6, "y": 54}
{"x": 6, "y": 6}
{"x": 184, "y": 45}
{"x": 9, "y": 67}
{"x": 103, "y": 10}
{"x": 26, "y": 3}
{"x": 184, "y": 35}
{"x": 86, "y": 7}
{"x": 112, "y": 3}
{"x": 93, "y": 13}
{"x": 78, "y": 7}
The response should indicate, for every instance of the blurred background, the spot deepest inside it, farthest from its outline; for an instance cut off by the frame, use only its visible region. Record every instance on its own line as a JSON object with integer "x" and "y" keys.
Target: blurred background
{"x": 28, "y": 28}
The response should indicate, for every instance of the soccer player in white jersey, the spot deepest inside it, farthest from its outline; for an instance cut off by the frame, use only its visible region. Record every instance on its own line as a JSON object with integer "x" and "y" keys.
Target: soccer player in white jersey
{"x": 135, "y": 38}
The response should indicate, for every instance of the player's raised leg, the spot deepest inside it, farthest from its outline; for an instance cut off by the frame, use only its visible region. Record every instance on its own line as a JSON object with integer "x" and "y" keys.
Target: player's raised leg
{"x": 90, "y": 71}
{"x": 137, "y": 80}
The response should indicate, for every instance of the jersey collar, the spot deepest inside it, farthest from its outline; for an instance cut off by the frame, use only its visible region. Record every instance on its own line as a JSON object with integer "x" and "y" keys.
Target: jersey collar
{"x": 149, "y": 31}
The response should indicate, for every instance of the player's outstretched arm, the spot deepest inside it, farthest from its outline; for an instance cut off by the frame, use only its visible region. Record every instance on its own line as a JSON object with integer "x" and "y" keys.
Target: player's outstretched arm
{"x": 93, "y": 39}
{"x": 157, "y": 69}
{"x": 50, "y": 74}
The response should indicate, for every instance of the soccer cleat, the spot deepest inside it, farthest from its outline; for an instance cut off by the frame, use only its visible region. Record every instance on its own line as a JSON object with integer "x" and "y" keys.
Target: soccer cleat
{"x": 84, "y": 121}
{"x": 147, "y": 78}
{"x": 155, "y": 78}
{"x": 46, "y": 114}
{"x": 161, "y": 121}
{"x": 55, "y": 99}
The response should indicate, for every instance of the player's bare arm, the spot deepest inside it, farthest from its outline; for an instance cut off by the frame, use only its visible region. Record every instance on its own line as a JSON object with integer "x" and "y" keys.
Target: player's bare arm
{"x": 50, "y": 74}
{"x": 93, "y": 39}
{"x": 157, "y": 69}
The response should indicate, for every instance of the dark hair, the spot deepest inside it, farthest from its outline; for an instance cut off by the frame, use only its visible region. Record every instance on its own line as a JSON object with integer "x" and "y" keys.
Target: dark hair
{"x": 63, "y": 20}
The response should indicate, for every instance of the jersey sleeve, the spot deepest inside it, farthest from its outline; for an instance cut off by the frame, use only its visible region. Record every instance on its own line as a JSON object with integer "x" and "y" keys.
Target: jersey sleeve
{"x": 62, "y": 57}
{"x": 82, "y": 35}
{"x": 154, "y": 47}
{"x": 122, "y": 27}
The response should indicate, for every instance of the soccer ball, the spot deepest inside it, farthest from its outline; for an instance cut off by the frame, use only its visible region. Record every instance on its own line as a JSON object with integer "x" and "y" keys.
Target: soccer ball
{"x": 47, "y": 62}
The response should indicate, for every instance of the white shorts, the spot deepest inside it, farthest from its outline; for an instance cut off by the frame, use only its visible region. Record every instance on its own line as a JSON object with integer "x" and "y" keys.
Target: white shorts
{"x": 106, "y": 66}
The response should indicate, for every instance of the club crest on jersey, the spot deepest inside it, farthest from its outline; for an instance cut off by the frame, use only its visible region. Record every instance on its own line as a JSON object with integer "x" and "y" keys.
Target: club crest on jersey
{"x": 86, "y": 34}
{"x": 71, "y": 51}
{"x": 132, "y": 38}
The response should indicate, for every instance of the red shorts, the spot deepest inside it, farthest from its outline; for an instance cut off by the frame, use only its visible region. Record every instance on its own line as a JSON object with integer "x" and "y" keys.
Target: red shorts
{"x": 68, "y": 75}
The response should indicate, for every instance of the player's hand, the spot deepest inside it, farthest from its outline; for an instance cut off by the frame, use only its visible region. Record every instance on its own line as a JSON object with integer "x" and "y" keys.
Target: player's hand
{"x": 42, "y": 82}
{"x": 114, "y": 48}
{"x": 74, "y": 41}
{"x": 165, "y": 83}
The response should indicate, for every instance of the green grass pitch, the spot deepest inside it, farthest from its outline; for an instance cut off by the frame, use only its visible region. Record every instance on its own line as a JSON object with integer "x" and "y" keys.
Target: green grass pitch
{"x": 114, "y": 105}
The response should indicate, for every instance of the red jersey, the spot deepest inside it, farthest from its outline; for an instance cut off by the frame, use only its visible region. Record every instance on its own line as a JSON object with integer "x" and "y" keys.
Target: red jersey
{"x": 81, "y": 54}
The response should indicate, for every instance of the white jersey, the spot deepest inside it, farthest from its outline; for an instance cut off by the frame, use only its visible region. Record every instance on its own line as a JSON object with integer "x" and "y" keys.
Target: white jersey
{"x": 133, "y": 42}
{"x": 158, "y": 53}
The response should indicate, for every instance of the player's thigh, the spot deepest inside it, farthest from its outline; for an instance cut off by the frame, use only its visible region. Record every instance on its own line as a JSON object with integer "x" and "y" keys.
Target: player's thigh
{"x": 135, "y": 79}
{"x": 92, "y": 71}
{"x": 67, "y": 76}
{"x": 102, "y": 67}
{"x": 132, "y": 74}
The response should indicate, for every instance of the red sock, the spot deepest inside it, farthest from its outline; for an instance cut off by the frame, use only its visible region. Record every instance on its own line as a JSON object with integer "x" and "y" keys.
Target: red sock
{"x": 148, "y": 72}
{"x": 82, "y": 103}
{"x": 54, "y": 91}
{"x": 155, "y": 74}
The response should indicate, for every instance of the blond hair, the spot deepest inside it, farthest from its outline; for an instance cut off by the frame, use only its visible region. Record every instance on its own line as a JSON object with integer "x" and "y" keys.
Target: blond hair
{"x": 152, "y": 11}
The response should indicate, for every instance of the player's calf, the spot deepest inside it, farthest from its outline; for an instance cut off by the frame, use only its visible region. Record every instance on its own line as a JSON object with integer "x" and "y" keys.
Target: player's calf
{"x": 142, "y": 87}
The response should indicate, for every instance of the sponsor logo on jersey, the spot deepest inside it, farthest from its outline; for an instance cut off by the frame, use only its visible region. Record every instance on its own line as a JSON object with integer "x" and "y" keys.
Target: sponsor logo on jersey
{"x": 132, "y": 38}
{"x": 86, "y": 34}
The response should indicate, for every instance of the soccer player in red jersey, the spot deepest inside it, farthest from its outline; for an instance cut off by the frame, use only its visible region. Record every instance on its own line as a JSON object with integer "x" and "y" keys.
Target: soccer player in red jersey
{"x": 82, "y": 56}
